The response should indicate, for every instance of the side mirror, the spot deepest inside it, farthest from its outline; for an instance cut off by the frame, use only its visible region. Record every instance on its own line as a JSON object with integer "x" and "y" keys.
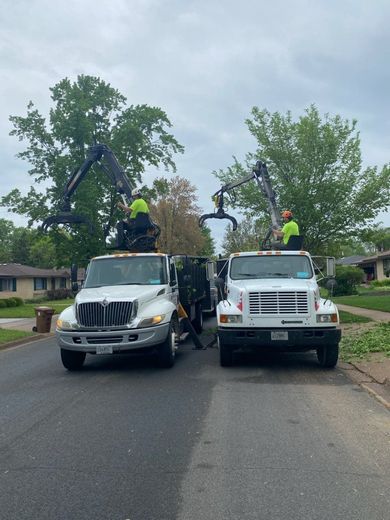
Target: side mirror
{"x": 210, "y": 270}
{"x": 331, "y": 284}
{"x": 73, "y": 273}
{"x": 331, "y": 267}
{"x": 75, "y": 287}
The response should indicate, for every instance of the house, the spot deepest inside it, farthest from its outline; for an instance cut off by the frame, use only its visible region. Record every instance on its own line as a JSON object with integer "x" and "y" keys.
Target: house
{"x": 376, "y": 267}
{"x": 30, "y": 282}
{"x": 350, "y": 260}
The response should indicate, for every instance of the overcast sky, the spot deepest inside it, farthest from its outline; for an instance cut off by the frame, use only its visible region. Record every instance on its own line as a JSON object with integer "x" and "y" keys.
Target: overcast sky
{"x": 206, "y": 63}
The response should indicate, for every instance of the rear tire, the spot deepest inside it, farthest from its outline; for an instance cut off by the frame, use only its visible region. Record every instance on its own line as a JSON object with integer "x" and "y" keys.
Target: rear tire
{"x": 72, "y": 360}
{"x": 167, "y": 350}
{"x": 198, "y": 321}
{"x": 225, "y": 354}
{"x": 328, "y": 355}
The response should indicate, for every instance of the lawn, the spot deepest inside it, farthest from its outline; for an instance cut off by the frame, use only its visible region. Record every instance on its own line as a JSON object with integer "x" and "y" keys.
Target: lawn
{"x": 27, "y": 310}
{"x": 363, "y": 342}
{"x": 346, "y": 317}
{"x": 7, "y": 335}
{"x": 377, "y": 303}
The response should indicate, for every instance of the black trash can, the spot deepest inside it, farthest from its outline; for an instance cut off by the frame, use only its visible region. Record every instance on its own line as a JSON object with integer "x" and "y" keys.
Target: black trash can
{"x": 43, "y": 316}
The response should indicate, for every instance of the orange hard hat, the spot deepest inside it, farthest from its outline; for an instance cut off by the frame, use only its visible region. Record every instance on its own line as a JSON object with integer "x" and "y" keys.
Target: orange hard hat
{"x": 287, "y": 214}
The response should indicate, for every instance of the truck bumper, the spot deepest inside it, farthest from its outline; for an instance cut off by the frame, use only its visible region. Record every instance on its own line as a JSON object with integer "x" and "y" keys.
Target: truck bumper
{"x": 295, "y": 340}
{"x": 120, "y": 340}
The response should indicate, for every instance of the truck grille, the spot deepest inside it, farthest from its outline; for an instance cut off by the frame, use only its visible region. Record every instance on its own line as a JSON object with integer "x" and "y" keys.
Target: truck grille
{"x": 278, "y": 302}
{"x": 95, "y": 314}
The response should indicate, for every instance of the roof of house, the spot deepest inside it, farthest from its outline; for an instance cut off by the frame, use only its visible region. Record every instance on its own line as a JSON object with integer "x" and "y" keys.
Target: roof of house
{"x": 371, "y": 259}
{"x": 350, "y": 260}
{"x": 26, "y": 271}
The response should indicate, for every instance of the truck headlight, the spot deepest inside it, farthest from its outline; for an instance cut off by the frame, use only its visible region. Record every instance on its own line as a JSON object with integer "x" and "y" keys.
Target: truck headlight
{"x": 64, "y": 325}
{"x": 327, "y": 318}
{"x": 230, "y": 318}
{"x": 149, "y": 322}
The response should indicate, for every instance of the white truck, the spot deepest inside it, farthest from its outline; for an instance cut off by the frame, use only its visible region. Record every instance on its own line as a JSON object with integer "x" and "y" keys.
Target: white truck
{"x": 129, "y": 302}
{"x": 272, "y": 300}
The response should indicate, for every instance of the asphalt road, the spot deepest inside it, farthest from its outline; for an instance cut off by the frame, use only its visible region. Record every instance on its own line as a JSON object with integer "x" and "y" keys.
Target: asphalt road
{"x": 271, "y": 438}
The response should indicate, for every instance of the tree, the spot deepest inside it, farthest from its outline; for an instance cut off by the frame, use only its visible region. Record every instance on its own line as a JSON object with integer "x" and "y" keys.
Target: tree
{"x": 377, "y": 239}
{"x": 247, "y": 237}
{"x": 316, "y": 170}
{"x": 85, "y": 112}
{"x": 175, "y": 210}
{"x": 6, "y": 232}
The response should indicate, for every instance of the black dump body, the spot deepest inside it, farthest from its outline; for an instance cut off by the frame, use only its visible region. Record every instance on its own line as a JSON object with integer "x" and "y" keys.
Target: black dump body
{"x": 192, "y": 278}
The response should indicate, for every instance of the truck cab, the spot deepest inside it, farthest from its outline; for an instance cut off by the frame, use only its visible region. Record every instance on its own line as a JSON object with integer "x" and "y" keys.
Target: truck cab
{"x": 272, "y": 300}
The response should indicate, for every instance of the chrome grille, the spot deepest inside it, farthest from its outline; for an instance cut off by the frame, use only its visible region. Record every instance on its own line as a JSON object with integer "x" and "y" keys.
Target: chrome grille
{"x": 94, "y": 314}
{"x": 277, "y": 302}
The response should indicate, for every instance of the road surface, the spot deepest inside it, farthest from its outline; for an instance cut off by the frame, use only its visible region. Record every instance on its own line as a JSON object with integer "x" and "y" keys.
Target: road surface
{"x": 271, "y": 438}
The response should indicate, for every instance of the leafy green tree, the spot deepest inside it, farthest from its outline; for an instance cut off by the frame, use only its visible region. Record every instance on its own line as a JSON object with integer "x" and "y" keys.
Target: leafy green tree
{"x": 316, "y": 170}
{"x": 377, "y": 239}
{"x": 85, "y": 112}
{"x": 247, "y": 237}
{"x": 6, "y": 232}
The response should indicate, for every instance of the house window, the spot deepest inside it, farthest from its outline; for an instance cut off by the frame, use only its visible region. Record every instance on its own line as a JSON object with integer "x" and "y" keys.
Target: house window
{"x": 8, "y": 284}
{"x": 386, "y": 267}
{"x": 62, "y": 283}
{"x": 40, "y": 284}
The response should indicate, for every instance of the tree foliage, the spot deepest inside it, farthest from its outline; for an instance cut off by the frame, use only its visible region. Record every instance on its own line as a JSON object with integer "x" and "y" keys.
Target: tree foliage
{"x": 316, "y": 170}
{"x": 174, "y": 208}
{"x": 247, "y": 237}
{"x": 85, "y": 112}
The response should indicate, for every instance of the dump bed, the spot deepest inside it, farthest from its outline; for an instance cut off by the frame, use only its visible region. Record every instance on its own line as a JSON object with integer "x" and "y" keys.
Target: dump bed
{"x": 192, "y": 278}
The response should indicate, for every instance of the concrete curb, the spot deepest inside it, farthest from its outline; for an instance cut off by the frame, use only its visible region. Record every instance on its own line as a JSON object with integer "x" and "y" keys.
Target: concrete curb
{"x": 25, "y": 341}
{"x": 381, "y": 391}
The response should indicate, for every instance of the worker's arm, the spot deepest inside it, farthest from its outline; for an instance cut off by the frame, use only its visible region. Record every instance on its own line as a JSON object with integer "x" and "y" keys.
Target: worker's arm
{"x": 124, "y": 207}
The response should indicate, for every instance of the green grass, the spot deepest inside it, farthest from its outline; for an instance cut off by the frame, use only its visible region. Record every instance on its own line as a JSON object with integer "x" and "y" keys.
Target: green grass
{"x": 377, "y": 303}
{"x": 27, "y": 310}
{"x": 346, "y": 317}
{"x": 7, "y": 335}
{"x": 362, "y": 343}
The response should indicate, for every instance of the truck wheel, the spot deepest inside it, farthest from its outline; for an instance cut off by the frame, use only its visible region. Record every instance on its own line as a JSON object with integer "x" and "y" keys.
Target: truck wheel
{"x": 167, "y": 350}
{"x": 225, "y": 354}
{"x": 328, "y": 355}
{"x": 198, "y": 321}
{"x": 72, "y": 360}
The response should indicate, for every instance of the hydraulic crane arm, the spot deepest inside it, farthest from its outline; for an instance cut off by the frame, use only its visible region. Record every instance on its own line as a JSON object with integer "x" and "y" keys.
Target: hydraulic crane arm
{"x": 261, "y": 176}
{"x": 110, "y": 165}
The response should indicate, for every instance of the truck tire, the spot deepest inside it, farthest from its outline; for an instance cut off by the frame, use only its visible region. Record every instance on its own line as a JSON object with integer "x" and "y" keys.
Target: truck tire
{"x": 198, "y": 321}
{"x": 225, "y": 354}
{"x": 72, "y": 360}
{"x": 167, "y": 350}
{"x": 328, "y": 355}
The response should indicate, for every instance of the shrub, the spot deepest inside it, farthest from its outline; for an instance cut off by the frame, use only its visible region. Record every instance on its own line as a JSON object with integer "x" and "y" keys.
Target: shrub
{"x": 3, "y": 304}
{"x": 19, "y": 301}
{"x": 348, "y": 279}
{"x": 381, "y": 283}
{"x": 59, "y": 294}
{"x": 11, "y": 302}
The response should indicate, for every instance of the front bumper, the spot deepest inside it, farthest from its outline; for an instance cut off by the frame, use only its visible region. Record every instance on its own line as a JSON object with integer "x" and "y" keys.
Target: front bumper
{"x": 298, "y": 339}
{"x": 120, "y": 340}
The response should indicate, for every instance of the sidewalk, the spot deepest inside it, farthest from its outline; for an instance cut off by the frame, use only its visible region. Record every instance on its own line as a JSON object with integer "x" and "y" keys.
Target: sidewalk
{"x": 373, "y": 375}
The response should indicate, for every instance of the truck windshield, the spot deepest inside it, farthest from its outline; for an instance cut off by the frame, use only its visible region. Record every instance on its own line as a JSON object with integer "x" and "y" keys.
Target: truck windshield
{"x": 132, "y": 270}
{"x": 247, "y": 267}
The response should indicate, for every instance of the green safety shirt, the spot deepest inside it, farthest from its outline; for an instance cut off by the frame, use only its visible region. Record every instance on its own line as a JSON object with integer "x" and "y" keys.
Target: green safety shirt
{"x": 290, "y": 229}
{"x": 138, "y": 206}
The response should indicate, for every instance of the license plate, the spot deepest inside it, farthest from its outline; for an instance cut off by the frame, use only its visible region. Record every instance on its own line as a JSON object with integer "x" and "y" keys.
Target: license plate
{"x": 279, "y": 335}
{"x": 104, "y": 349}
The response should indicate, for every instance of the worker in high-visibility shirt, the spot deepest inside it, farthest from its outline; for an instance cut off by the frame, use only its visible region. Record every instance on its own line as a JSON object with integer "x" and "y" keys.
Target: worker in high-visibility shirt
{"x": 290, "y": 228}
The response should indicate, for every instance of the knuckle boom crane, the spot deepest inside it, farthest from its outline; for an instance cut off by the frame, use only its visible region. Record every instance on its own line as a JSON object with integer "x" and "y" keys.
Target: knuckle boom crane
{"x": 261, "y": 176}
{"x": 146, "y": 232}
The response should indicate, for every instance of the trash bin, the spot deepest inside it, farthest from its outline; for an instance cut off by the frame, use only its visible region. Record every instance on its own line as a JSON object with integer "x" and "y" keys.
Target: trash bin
{"x": 43, "y": 317}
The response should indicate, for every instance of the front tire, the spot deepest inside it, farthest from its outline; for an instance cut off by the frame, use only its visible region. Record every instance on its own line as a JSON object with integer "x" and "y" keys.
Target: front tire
{"x": 72, "y": 360}
{"x": 225, "y": 354}
{"x": 328, "y": 355}
{"x": 167, "y": 350}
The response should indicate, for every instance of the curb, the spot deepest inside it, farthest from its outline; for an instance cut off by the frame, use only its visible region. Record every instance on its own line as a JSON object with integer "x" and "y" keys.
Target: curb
{"x": 25, "y": 341}
{"x": 381, "y": 391}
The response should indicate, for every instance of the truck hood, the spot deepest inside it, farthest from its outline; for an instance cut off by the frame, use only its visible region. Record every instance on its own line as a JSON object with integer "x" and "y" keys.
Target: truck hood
{"x": 275, "y": 284}
{"x": 120, "y": 293}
